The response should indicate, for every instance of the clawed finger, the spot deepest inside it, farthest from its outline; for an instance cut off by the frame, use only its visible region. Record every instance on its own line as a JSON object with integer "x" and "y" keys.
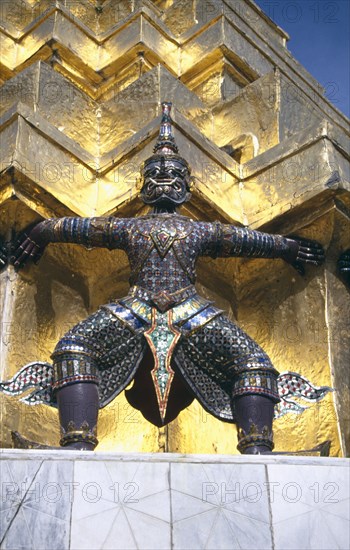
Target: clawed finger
{"x": 344, "y": 263}
{"x": 305, "y": 242}
{"x": 3, "y": 257}
{"x": 312, "y": 262}
{"x": 345, "y": 257}
{"x": 24, "y": 252}
{"x": 20, "y": 247}
{"x": 36, "y": 256}
{"x": 307, "y": 252}
{"x": 312, "y": 249}
{"x": 310, "y": 258}
{"x": 34, "y": 251}
{"x": 311, "y": 244}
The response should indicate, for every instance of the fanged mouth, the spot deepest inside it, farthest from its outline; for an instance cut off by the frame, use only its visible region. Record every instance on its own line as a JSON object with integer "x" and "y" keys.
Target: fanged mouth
{"x": 163, "y": 181}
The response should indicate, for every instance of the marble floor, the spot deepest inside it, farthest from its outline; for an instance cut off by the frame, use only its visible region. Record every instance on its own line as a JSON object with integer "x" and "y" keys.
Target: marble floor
{"x": 57, "y": 500}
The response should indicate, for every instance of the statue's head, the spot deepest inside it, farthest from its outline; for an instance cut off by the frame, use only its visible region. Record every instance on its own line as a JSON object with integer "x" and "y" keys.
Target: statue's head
{"x": 165, "y": 176}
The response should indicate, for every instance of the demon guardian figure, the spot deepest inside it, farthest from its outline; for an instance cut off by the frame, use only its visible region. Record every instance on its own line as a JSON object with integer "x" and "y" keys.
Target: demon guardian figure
{"x": 173, "y": 343}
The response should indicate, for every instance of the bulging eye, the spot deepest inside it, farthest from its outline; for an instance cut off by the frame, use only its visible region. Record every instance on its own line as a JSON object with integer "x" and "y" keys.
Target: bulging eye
{"x": 152, "y": 172}
{"x": 175, "y": 173}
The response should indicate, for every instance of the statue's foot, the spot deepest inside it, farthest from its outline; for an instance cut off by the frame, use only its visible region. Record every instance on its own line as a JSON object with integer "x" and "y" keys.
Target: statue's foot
{"x": 20, "y": 442}
{"x": 257, "y": 450}
{"x": 321, "y": 450}
{"x": 79, "y": 446}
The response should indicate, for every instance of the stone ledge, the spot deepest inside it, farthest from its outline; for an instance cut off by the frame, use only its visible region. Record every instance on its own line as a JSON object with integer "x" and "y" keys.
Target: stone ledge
{"x": 80, "y": 500}
{"x": 62, "y": 454}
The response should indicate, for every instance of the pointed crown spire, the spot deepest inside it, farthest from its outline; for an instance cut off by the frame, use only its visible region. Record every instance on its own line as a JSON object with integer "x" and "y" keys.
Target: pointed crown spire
{"x": 165, "y": 144}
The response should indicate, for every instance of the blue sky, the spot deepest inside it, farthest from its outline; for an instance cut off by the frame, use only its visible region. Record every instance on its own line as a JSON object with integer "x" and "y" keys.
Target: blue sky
{"x": 319, "y": 33}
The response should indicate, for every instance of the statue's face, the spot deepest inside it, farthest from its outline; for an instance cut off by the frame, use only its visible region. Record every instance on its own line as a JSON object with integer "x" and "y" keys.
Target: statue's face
{"x": 166, "y": 181}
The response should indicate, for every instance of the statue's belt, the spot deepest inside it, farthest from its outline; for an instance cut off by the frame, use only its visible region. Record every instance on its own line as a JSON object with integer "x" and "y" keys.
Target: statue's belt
{"x": 163, "y": 300}
{"x": 190, "y": 314}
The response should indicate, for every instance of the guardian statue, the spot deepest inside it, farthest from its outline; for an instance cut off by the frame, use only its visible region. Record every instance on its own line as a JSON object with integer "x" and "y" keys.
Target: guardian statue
{"x": 175, "y": 344}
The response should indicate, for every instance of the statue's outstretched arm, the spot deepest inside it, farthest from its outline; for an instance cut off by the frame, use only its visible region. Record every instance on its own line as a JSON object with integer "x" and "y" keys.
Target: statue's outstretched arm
{"x": 91, "y": 232}
{"x": 239, "y": 241}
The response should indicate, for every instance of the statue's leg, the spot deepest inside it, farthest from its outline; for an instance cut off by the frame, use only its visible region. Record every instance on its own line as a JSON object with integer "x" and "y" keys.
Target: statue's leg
{"x": 76, "y": 359}
{"x": 78, "y": 409}
{"x": 236, "y": 363}
{"x": 76, "y": 388}
{"x": 254, "y": 392}
{"x": 254, "y": 417}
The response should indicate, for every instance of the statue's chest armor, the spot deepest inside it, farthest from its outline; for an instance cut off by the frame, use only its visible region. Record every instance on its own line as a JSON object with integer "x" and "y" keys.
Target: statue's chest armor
{"x": 163, "y": 234}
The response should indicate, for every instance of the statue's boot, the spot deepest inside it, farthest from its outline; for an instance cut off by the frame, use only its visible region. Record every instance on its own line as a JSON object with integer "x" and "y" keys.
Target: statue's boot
{"x": 78, "y": 406}
{"x": 254, "y": 414}
{"x": 254, "y": 417}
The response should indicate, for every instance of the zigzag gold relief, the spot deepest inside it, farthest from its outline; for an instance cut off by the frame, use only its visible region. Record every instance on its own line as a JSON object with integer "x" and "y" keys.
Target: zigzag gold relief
{"x": 95, "y": 52}
{"x": 84, "y": 134}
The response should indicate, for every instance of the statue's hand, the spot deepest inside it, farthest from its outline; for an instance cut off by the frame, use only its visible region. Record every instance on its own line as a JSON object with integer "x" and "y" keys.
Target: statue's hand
{"x": 344, "y": 266}
{"x": 4, "y": 254}
{"x": 303, "y": 251}
{"x": 29, "y": 246}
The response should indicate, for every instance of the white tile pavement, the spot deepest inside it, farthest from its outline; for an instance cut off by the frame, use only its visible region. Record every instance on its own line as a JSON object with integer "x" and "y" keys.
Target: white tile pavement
{"x": 16, "y": 477}
{"x": 129, "y": 501}
{"x": 310, "y": 506}
{"x": 81, "y": 501}
{"x": 42, "y": 519}
{"x": 220, "y": 506}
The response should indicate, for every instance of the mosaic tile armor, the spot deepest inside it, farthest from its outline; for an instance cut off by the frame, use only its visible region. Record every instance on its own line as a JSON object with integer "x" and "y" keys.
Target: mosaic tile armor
{"x": 163, "y": 310}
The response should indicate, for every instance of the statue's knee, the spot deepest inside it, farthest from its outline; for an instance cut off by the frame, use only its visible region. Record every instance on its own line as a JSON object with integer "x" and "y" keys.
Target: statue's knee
{"x": 72, "y": 366}
{"x": 253, "y": 381}
{"x": 76, "y": 388}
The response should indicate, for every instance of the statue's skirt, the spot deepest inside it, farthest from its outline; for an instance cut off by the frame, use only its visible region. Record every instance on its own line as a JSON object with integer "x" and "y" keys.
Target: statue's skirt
{"x": 196, "y": 351}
